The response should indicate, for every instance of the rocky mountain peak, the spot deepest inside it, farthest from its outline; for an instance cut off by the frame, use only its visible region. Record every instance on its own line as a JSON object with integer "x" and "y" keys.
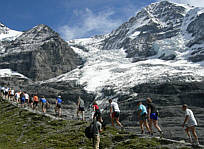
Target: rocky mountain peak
{"x": 37, "y": 34}
{"x": 39, "y": 54}
{"x": 155, "y": 22}
{"x": 3, "y": 29}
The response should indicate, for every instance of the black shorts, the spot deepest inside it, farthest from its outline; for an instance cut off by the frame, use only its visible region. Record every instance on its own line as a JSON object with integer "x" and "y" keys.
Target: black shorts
{"x": 97, "y": 113}
{"x": 115, "y": 114}
{"x": 143, "y": 117}
{"x": 5, "y": 93}
{"x": 81, "y": 109}
{"x": 35, "y": 103}
{"x": 59, "y": 105}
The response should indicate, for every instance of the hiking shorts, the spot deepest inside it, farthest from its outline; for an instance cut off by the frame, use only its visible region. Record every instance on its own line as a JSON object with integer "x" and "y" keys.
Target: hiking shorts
{"x": 35, "y": 103}
{"x": 59, "y": 105}
{"x": 143, "y": 117}
{"x": 81, "y": 109}
{"x": 22, "y": 100}
{"x": 43, "y": 104}
{"x": 115, "y": 114}
{"x": 97, "y": 113}
{"x": 153, "y": 116}
{"x": 5, "y": 93}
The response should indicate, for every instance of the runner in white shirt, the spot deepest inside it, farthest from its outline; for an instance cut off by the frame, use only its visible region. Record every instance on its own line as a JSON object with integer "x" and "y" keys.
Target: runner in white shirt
{"x": 191, "y": 124}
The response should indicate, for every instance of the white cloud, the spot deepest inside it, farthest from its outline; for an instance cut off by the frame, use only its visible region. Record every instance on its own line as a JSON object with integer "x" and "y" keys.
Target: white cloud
{"x": 198, "y": 3}
{"x": 90, "y": 24}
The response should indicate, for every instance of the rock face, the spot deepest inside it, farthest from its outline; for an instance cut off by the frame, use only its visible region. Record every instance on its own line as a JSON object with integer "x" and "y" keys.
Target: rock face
{"x": 39, "y": 54}
{"x": 194, "y": 28}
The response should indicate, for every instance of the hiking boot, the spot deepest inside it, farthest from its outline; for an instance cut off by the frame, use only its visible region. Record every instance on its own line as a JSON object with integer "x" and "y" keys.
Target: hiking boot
{"x": 142, "y": 132}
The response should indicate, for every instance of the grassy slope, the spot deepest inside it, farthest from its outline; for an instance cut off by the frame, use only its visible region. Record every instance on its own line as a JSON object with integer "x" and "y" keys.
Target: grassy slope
{"x": 20, "y": 129}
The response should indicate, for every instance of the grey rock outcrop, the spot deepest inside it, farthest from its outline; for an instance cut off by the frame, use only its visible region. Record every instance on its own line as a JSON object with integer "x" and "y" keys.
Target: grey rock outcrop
{"x": 39, "y": 54}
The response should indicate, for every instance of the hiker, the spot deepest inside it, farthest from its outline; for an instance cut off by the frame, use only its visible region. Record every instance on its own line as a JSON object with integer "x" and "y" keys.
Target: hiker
{"x": 22, "y": 99}
{"x": 80, "y": 109}
{"x": 6, "y": 92}
{"x": 142, "y": 113}
{"x": 115, "y": 113}
{"x": 97, "y": 129}
{"x": 35, "y": 101}
{"x": 11, "y": 94}
{"x": 152, "y": 116}
{"x": 2, "y": 91}
{"x": 96, "y": 111}
{"x": 59, "y": 106}
{"x": 17, "y": 96}
{"x": 43, "y": 102}
{"x": 30, "y": 102}
{"x": 191, "y": 124}
{"x": 26, "y": 97}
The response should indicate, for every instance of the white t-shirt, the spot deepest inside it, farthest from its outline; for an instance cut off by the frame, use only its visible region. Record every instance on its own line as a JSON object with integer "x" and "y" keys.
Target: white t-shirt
{"x": 115, "y": 107}
{"x": 191, "y": 121}
{"x": 26, "y": 96}
{"x": 12, "y": 92}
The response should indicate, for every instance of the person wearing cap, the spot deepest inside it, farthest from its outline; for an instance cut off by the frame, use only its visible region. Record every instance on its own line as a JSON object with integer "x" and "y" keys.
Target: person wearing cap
{"x": 191, "y": 124}
{"x": 59, "y": 106}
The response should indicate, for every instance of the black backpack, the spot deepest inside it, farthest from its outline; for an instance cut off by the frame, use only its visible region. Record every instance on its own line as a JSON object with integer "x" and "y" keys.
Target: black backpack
{"x": 89, "y": 131}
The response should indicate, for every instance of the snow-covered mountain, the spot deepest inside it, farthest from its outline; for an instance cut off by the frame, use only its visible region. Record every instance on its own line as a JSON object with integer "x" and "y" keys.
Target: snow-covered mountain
{"x": 39, "y": 53}
{"x": 7, "y": 34}
{"x": 159, "y": 35}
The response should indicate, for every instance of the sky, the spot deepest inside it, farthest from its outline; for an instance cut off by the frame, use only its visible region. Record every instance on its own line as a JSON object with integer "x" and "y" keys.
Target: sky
{"x": 74, "y": 18}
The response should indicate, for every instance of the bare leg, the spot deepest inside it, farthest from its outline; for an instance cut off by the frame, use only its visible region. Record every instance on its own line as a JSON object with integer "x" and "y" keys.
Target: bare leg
{"x": 194, "y": 133}
{"x": 82, "y": 113}
{"x": 141, "y": 126}
{"x": 60, "y": 112}
{"x": 188, "y": 133}
{"x": 117, "y": 121}
{"x": 146, "y": 125}
{"x": 156, "y": 125}
{"x": 150, "y": 124}
{"x": 112, "y": 121}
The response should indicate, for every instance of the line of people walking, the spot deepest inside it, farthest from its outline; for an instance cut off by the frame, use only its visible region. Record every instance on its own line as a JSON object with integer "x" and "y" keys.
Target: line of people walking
{"x": 148, "y": 116}
{"x": 23, "y": 99}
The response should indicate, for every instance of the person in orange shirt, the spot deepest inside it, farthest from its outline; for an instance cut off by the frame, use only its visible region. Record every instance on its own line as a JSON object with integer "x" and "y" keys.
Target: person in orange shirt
{"x": 35, "y": 101}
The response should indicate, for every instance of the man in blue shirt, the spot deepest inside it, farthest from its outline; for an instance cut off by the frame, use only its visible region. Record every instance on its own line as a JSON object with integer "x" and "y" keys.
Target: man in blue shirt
{"x": 142, "y": 113}
{"x": 59, "y": 106}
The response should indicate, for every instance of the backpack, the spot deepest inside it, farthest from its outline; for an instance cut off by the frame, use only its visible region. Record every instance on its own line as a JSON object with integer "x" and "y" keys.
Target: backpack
{"x": 89, "y": 131}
